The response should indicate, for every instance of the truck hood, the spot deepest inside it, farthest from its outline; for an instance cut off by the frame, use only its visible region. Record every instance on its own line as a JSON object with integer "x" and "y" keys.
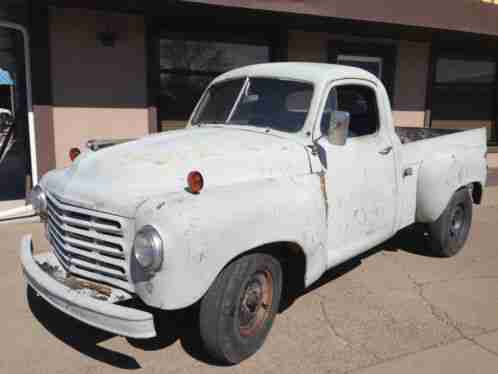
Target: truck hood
{"x": 119, "y": 179}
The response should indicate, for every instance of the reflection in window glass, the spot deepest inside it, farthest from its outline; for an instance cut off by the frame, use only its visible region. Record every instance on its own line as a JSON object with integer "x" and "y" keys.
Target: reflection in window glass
{"x": 14, "y": 149}
{"x": 462, "y": 71}
{"x": 180, "y": 93}
{"x": 187, "y": 67}
{"x": 210, "y": 56}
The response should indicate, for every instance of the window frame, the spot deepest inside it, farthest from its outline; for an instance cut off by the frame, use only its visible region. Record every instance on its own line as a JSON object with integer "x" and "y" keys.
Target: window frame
{"x": 465, "y": 55}
{"x": 350, "y": 82}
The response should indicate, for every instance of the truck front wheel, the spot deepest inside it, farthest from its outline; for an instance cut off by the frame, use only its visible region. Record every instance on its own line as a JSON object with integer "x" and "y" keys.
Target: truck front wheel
{"x": 449, "y": 233}
{"x": 237, "y": 312}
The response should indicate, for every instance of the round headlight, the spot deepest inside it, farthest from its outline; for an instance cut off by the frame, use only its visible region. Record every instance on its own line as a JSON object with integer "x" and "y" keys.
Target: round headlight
{"x": 148, "y": 249}
{"x": 38, "y": 199}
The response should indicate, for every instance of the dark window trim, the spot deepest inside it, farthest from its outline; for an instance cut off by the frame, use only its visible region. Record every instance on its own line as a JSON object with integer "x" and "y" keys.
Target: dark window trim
{"x": 388, "y": 52}
{"x": 205, "y": 73}
{"x": 249, "y": 38}
{"x": 375, "y": 98}
{"x": 465, "y": 84}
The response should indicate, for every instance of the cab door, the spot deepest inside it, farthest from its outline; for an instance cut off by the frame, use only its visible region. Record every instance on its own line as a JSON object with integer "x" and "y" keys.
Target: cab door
{"x": 360, "y": 176}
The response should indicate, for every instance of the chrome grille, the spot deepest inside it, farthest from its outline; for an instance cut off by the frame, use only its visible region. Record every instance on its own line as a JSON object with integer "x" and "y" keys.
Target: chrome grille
{"x": 88, "y": 243}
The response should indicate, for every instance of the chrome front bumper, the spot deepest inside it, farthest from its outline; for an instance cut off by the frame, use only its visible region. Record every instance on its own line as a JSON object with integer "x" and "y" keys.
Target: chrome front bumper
{"x": 85, "y": 301}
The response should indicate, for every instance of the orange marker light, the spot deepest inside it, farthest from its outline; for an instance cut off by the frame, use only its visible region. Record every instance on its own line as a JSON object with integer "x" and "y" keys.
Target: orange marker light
{"x": 74, "y": 153}
{"x": 195, "y": 182}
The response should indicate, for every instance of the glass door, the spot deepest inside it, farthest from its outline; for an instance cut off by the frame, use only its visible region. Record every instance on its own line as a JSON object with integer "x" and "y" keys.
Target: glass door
{"x": 17, "y": 152}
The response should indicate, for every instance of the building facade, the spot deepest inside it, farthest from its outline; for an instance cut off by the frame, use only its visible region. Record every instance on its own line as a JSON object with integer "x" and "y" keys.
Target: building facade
{"x": 122, "y": 69}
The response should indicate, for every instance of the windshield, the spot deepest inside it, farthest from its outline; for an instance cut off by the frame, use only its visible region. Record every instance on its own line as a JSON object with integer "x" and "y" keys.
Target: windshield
{"x": 262, "y": 102}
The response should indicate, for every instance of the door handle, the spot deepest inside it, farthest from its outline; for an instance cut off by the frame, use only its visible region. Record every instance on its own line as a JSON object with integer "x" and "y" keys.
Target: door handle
{"x": 386, "y": 151}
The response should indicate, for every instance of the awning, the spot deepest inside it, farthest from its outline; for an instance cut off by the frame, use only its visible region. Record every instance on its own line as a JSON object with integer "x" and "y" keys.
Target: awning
{"x": 5, "y": 79}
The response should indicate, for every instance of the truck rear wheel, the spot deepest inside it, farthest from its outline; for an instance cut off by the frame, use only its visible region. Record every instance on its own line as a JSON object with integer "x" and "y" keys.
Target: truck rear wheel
{"x": 237, "y": 312}
{"x": 449, "y": 233}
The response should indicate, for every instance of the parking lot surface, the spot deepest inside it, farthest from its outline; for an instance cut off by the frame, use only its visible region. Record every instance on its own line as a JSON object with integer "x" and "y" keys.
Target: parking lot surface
{"x": 396, "y": 309}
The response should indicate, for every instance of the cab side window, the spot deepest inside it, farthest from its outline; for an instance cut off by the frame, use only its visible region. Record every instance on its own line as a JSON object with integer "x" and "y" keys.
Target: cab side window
{"x": 330, "y": 106}
{"x": 361, "y": 104}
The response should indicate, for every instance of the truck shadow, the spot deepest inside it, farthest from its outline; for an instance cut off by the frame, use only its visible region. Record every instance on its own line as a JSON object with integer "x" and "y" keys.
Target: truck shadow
{"x": 183, "y": 325}
{"x": 171, "y": 327}
{"x": 413, "y": 239}
{"x": 76, "y": 334}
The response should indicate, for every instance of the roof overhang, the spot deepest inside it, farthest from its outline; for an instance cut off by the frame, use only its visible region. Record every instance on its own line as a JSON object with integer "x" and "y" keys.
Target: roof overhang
{"x": 472, "y": 16}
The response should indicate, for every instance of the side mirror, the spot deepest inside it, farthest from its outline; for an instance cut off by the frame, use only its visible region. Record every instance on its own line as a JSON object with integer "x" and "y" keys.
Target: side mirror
{"x": 339, "y": 128}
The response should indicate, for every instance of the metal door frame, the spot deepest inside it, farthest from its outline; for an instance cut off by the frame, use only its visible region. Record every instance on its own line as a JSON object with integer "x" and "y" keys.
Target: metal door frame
{"x": 25, "y": 210}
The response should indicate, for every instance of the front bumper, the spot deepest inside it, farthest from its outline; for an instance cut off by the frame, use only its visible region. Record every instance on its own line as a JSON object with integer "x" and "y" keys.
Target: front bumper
{"x": 83, "y": 300}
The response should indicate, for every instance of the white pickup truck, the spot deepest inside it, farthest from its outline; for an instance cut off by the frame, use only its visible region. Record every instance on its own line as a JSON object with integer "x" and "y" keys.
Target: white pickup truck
{"x": 281, "y": 164}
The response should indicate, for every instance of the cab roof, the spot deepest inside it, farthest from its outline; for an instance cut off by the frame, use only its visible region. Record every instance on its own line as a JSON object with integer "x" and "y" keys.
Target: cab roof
{"x": 317, "y": 73}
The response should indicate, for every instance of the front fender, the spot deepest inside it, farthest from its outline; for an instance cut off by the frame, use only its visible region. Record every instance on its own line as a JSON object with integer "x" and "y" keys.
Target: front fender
{"x": 204, "y": 232}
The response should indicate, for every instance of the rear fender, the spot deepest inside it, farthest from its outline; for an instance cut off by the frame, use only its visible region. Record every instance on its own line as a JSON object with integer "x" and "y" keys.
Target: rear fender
{"x": 442, "y": 175}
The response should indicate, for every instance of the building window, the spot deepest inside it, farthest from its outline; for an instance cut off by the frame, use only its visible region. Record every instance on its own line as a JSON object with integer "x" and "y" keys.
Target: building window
{"x": 187, "y": 65}
{"x": 378, "y": 59}
{"x": 463, "y": 94}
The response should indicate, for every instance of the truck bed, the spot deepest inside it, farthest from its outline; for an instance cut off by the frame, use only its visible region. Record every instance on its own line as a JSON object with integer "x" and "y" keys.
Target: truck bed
{"x": 435, "y": 164}
{"x": 413, "y": 134}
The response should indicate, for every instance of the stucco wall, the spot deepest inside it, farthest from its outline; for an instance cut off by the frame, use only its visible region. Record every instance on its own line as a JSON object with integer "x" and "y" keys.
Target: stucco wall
{"x": 307, "y": 46}
{"x": 412, "y": 69}
{"x": 98, "y": 92}
{"x": 44, "y": 138}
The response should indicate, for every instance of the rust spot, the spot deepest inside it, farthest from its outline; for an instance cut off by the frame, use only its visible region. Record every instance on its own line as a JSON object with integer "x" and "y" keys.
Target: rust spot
{"x": 95, "y": 290}
{"x": 323, "y": 188}
{"x": 80, "y": 284}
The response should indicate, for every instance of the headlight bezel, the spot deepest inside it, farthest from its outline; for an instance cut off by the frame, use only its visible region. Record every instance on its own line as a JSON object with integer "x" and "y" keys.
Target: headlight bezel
{"x": 38, "y": 200}
{"x": 148, "y": 249}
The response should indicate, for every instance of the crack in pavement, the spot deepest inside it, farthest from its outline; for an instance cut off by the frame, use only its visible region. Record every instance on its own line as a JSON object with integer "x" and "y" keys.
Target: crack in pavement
{"x": 445, "y": 318}
{"x": 439, "y": 314}
{"x": 331, "y": 326}
{"x": 345, "y": 340}
{"x": 437, "y": 345}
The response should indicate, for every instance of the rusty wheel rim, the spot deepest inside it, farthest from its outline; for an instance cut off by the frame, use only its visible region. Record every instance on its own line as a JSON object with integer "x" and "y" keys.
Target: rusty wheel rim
{"x": 255, "y": 304}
